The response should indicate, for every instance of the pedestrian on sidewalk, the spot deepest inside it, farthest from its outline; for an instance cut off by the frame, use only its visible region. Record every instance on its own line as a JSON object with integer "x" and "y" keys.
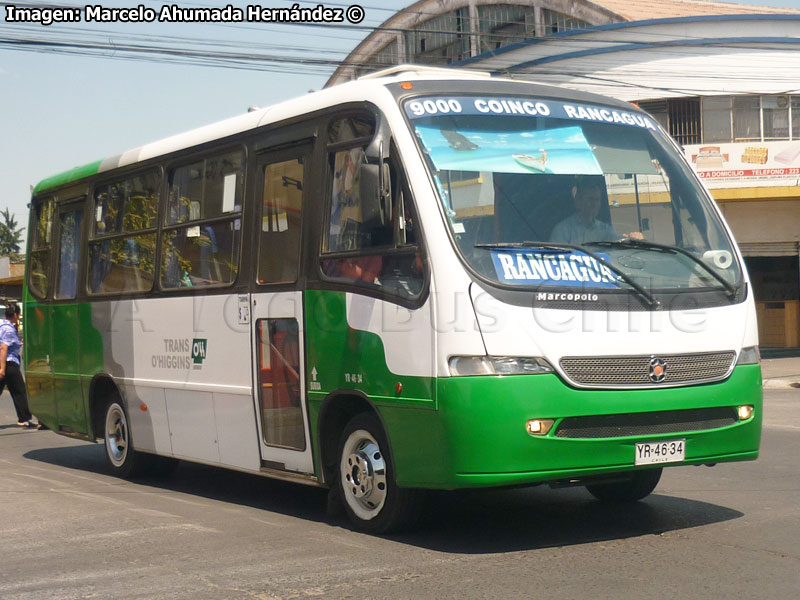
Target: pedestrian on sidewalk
{"x": 10, "y": 363}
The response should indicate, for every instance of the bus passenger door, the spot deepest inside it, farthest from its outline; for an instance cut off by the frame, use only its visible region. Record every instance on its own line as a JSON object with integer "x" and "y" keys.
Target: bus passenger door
{"x": 37, "y": 333}
{"x": 277, "y": 315}
{"x": 66, "y": 350}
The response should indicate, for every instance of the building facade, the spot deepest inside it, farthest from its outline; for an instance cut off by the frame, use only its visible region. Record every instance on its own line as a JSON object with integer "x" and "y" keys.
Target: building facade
{"x": 721, "y": 78}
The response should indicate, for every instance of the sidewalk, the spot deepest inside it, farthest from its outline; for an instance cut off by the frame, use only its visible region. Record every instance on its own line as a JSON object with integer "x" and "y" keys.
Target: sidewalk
{"x": 781, "y": 373}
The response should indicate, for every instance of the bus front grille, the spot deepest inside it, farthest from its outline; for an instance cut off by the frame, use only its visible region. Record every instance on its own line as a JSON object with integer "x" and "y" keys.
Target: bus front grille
{"x": 651, "y": 423}
{"x": 622, "y": 371}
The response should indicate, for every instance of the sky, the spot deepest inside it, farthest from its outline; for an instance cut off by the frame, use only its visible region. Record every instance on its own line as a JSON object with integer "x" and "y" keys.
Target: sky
{"x": 58, "y": 111}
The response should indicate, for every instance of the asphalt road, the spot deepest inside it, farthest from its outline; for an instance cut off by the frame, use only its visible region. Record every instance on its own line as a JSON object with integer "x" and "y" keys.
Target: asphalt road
{"x": 68, "y": 529}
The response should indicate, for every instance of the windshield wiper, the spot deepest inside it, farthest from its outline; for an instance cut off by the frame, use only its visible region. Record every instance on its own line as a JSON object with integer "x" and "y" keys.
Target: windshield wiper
{"x": 629, "y": 243}
{"x": 538, "y": 245}
{"x": 564, "y": 248}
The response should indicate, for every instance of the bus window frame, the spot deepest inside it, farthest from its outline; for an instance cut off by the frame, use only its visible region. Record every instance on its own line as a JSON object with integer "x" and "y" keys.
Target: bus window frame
{"x": 395, "y": 159}
{"x": 169, "y": 166}
{"x": 71, "y": 203}
{"x": 33, "y": 225}
{"x": 94, "y": 185}
{"x": 303, "y": 147}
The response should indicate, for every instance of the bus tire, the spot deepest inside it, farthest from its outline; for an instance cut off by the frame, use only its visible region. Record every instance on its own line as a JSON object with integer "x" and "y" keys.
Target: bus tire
{"x": 123, "y": 459}
{"x": 640, "y": 485}
{"x": 366, "y": 479}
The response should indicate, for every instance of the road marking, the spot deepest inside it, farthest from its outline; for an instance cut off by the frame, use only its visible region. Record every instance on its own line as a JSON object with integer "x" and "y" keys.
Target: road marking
{"x": 91, "y": 496}
{"x": 47, "y": 480}
{"x": 174, "y": 499}
{"x": 265, "y": 522}
{"x": 141, "y": 530}
{"x": 151, "y": 512}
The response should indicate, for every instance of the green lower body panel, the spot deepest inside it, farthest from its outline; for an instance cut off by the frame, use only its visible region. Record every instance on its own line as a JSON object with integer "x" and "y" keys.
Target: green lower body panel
{"x": 70, "y": 405}
{"x": 40, "y": 397}
{"x": 478, "y": 435}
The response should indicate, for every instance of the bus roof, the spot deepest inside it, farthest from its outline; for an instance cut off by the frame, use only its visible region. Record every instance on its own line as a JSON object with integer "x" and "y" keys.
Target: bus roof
{"x": 364, "y": 87}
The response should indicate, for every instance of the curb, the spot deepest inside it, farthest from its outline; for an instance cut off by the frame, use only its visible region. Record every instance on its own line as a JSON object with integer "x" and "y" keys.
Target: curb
{"x": 781, "y": 383}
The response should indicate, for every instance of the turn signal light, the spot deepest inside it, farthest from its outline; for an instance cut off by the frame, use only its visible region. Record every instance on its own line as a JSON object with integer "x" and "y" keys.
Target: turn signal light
{"x": 539, "y": 426}
{"x": 749, "y": 356}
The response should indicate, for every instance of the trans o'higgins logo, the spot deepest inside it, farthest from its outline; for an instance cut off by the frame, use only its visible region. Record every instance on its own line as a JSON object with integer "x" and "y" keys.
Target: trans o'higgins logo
{"x": 199, "y": 347}
{"x": 181, "y": 354}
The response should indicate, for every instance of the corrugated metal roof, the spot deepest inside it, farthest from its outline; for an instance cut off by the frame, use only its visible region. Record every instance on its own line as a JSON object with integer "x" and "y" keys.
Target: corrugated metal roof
{"x": 596, "y": 12}
{"x": 660, "y": 58}
{"x": 638, "y": 10}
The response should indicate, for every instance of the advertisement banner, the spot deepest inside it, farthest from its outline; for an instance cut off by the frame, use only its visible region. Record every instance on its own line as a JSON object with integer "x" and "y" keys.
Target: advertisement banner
{"x": 746, "y": 164}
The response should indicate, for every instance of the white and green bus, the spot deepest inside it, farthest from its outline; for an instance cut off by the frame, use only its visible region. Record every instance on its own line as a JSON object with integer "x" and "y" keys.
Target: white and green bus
{"x": 394, "y": 285}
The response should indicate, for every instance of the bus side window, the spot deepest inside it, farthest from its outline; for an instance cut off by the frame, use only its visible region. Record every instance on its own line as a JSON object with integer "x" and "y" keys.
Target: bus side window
{"x": 281, "y": 215}
{"x": 39, "y": 270}
{"x": 69, "y": 250}
{"x": 356, "y": 223}
{"x": 371, "y": 241}
{"x": 202, "y": 230}
{"x": 122, "y": 249}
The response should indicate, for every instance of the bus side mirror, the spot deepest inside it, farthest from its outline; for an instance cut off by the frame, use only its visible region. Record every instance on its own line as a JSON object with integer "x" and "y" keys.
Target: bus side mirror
{"x": 373, "y": 188}
{"x": 375, "y": 152}
{"x": 375, "y": 181}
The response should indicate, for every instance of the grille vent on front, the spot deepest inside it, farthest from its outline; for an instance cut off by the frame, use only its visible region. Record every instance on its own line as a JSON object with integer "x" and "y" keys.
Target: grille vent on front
{"x": 635, "y": 370}
{"x": 654, "y": 423}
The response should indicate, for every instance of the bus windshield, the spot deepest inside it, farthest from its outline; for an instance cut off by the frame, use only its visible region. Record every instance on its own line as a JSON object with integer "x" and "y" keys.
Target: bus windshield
{"x": 549, "y": 193}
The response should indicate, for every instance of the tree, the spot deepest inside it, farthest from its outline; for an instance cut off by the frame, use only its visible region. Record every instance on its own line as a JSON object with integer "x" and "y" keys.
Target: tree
{"x": 10, "y": 234}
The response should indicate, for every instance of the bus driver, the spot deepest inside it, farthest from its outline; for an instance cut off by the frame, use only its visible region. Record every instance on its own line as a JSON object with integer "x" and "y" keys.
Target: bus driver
{"x": 583, "y": 226}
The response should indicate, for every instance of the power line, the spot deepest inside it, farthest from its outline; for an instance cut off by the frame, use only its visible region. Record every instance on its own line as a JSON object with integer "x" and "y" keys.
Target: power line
{"x": 670, "y": 47}
{"x": 466, "y": 34}
{"x": 295, "y": 64}
{"x": 624, "y": 37}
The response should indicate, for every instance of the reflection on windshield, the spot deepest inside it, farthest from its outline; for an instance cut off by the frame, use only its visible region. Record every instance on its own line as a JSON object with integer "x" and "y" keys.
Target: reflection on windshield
{"x": 560, "y": 150}
{"x": 509, "y": 180}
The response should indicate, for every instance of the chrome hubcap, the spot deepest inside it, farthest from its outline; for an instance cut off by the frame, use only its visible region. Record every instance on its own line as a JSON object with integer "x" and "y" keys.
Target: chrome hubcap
{"x": 116, "y": 435}
{"x": 363, "y": 472}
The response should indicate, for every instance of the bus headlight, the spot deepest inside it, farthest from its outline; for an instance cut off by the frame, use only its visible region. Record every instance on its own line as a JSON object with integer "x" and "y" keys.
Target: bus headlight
{"x": 461, "y": 366}
{"x": 749, "y": 356}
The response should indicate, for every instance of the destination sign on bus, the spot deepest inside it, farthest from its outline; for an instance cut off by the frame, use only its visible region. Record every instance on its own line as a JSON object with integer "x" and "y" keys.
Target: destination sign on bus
{"x": 533, "y": 267}
{"x": 508, "y": 106}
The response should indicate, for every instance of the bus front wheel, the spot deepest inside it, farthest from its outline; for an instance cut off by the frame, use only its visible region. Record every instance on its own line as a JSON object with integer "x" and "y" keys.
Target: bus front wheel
{"x": 641, "y": 484}
{"x": 366, "y": 480}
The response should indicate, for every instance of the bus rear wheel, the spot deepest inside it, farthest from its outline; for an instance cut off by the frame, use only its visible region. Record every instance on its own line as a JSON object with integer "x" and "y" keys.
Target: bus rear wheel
{"x": 366, "y": 480}
{"x": 640, "y": 485}
{"x": 124, "y": 460}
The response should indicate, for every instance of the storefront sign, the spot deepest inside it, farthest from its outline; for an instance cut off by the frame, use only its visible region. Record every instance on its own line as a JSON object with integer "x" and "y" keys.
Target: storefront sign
{"x": 746, "y": 164}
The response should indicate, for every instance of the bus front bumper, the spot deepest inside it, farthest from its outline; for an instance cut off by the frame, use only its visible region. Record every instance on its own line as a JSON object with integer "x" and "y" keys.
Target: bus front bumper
{"x": 482, "y": 422}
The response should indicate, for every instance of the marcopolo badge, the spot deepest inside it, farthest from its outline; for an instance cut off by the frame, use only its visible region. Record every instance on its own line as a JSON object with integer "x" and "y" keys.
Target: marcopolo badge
{"x": 658, "y": 370}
